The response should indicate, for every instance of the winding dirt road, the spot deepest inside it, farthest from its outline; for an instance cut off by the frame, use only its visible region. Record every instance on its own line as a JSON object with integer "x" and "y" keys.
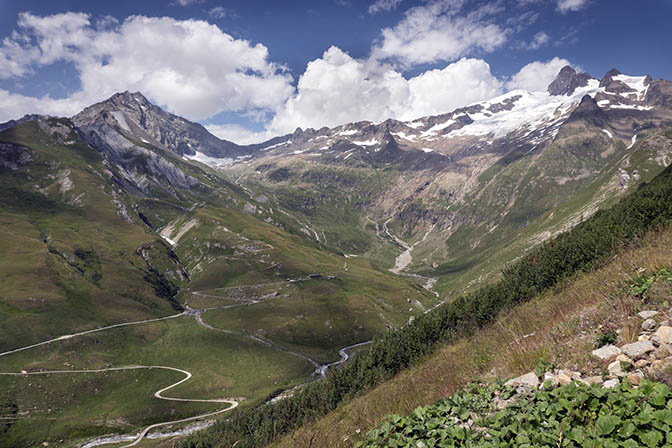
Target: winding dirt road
{"x": 157, "y": 394}
{"x": 68, "y": 336}
{"x": 320, "y": 369}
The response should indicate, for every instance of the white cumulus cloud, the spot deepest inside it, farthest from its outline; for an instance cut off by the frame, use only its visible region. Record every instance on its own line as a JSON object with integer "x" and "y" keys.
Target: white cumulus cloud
{"x": 536, "y": 76}
{"x": 440, "y": 31}
{"x": 337, "y": 89}
{"x": 539, "y": 40}
{"x": 191, "y": 67}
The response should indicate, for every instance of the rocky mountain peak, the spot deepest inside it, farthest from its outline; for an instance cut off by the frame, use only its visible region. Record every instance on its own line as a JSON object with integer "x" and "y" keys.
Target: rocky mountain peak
{"x": 567, "y": 81}
{"x": 607, "y": 78}
{"x": 133, "y": 114}
{"x": 589, "y": 111}
{"x": 131, "y": 100}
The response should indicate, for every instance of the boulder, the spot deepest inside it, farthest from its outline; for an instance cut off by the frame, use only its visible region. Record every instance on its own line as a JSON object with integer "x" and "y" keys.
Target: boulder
{"x": 594, "y": 380}
{"x": 664, "y": 334}
{"x": 639, "y": 349}
{"x": 623, "y": 358}
{"x": 528, "y": 380}
{"x": 646, "y": 314}
{"x": 648, "y": 324}
{"x": 635, "y": 378}
{"x": 610, "y": 384}
{"x": 564, "y": 379}
{"x": 642, "y": 363}
{"x": 553, "y": 379}
{"x": 616, "y": 370}
{"x": 663, "y": 351}
{"x": 606, "y": 352}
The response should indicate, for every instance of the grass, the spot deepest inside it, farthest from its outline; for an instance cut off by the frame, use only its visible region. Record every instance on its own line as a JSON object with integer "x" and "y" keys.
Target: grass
{"x": 66, "y": 267}
{"x": 90, "y": 404}
{"x": 560, "y": 326}
{"x": 320, "y": 316}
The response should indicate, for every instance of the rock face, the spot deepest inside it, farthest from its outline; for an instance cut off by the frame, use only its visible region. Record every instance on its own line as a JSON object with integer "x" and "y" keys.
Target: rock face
{"x": 589, "y": 111}
{"x": 567, "y": 81}
{"x": 13, "y": 156}
{"x": 116, "y": 127}
{"x": 133, "y": 114}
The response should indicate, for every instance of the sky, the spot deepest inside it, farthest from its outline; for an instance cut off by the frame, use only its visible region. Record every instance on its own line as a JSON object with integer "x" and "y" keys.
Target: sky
{"x": 249, "y": 70}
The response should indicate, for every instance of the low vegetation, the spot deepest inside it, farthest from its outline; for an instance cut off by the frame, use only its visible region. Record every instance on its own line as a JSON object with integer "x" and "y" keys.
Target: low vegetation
{"x": 574, "y": 415}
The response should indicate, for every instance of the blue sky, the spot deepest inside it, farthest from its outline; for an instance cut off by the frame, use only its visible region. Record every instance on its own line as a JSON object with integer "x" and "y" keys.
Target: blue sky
{"x": 253, "y": 69}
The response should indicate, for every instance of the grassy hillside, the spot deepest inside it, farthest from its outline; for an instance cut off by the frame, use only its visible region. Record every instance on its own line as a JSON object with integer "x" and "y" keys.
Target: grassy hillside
{"x": 68, "y": 260}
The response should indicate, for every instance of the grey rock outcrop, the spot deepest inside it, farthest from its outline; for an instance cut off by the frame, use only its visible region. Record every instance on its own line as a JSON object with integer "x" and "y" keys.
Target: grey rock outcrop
{"x": 567, "y": 81}
{"x": 637, "y": 350}
{"x": 13, "y": 156}
{"x": 606, "y": 352}
{"x": 133, "y": 114}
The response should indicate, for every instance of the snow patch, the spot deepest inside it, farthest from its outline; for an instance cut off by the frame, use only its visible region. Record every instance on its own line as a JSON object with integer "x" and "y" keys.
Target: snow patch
{"x": 371, "y": 142}
{"x": 427, "y": 149}
{"x": 213, "y": 162}
{"x": 630, "y": 106}
{"x": 348, "y": 132}
{"x": 438, "y": 127}
{"x": 636, "y": 83}
{"x": 634, "y": 140}
{"x": 414, "y": 124}
{"x": 404, "y": 136}
{"x": 532, "y": 110}
{"x": 277, "y": 145}
{"x": 608, "y": 133}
